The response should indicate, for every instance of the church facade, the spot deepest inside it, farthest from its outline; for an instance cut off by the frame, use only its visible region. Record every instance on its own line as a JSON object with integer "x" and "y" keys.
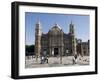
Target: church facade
{"x": 58, "y": 43}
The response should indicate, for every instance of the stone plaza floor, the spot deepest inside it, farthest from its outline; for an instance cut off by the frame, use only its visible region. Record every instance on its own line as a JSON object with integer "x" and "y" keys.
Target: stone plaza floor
{"x": 55, "y": 61}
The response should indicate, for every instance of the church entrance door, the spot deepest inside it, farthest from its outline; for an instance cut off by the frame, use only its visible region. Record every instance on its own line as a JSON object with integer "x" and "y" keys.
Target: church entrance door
{"x": 56, "y": 51}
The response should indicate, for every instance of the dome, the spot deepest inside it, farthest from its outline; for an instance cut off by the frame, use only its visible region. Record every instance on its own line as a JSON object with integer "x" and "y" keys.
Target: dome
{"x": 56, "y": 25}
{"x": 56, "y": 29}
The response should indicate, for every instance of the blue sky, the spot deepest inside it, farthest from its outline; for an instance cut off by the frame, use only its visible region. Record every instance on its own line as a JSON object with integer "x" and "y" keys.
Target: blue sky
{"x": 47, "y": 21}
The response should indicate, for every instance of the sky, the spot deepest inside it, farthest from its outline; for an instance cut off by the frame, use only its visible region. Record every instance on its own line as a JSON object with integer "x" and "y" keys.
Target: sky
{"x": 48, "y": 20}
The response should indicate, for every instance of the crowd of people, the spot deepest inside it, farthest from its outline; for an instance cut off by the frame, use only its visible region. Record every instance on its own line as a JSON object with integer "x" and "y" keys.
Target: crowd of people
{"x": 75, "y": 59}
{"x": 44, "y": 59}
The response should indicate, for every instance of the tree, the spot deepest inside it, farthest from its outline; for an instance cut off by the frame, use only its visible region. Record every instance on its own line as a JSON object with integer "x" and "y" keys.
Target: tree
{"x": 29, "y": 50}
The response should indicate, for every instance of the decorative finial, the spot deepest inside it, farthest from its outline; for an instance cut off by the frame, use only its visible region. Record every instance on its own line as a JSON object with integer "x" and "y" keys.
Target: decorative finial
{"x": 38, "y": 20}
{"x": 38, "y": 24}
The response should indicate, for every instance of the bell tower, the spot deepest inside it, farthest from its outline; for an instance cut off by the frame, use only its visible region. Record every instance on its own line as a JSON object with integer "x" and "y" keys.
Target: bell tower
{"x": 38, "y": 33}
{"x": 71, "y": 29}
{"x": 73, "y": 40}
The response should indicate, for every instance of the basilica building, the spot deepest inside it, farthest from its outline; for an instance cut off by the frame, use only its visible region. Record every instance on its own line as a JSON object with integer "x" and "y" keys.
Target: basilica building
{"x": 59, "y": 43}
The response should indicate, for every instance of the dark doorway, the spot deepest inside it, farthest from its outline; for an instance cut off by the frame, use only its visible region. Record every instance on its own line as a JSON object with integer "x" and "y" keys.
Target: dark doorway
{"x": 56, "y": 51}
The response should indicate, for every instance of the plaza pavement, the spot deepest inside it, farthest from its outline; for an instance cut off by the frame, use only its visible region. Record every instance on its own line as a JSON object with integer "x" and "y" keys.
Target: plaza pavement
{"x": 56, "y": 61}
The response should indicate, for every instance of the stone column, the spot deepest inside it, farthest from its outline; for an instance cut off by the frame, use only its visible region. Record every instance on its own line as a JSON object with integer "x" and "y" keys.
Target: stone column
{"x": 61, "y": 48}
{"x": 73, "y": 45}
{"x": 81, "y": 48}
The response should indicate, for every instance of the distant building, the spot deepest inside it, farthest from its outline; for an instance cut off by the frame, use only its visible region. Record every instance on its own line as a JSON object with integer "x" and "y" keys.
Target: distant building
{"x": 83, "y": 47}
{"x": 58, "y": 43}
